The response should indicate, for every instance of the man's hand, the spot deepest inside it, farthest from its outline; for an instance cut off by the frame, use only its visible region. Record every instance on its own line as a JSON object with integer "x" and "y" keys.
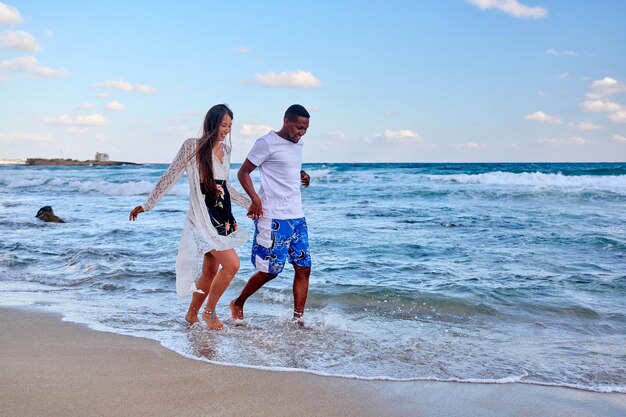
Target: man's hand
{"x": 256, "y": 209}
{"x": 305, "y": 179}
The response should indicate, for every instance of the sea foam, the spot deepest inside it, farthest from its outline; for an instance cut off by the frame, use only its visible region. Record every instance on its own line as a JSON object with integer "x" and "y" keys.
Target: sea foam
{"x": 537, "y": 179}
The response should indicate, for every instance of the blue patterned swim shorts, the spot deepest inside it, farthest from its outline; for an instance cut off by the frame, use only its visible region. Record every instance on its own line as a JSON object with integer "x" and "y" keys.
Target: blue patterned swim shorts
{"x": 278, "y": 241}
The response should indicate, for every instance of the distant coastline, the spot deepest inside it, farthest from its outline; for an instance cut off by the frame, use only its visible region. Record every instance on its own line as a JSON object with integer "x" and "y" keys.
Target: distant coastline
{"x": 72, "y": 162}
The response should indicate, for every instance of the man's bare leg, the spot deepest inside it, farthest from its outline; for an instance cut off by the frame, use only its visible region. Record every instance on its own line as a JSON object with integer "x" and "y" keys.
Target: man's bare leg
{"x": 256, "y": 281}
{"x": 300, "y": 290}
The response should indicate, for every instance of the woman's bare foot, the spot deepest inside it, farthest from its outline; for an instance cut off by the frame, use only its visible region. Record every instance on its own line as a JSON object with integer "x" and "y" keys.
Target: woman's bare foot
{"x": 236, "y": 312}
{"x": 211, "y": 320}
{"x": 192, "y": 316}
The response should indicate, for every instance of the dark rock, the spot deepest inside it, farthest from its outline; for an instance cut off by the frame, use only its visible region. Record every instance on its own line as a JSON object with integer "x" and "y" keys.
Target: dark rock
{"x": 47, "y": 215}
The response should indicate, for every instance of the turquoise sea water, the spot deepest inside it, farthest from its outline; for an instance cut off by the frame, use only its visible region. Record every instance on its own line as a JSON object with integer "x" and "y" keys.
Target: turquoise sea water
{"x": 468, "y": 272}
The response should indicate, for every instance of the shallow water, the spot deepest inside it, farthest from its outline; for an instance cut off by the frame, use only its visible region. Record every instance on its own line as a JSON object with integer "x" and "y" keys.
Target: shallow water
{"x": 470, "y": 272}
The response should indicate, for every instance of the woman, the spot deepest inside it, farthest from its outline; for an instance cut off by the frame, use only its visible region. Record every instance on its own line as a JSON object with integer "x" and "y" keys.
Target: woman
{"x": 210, "y": 229}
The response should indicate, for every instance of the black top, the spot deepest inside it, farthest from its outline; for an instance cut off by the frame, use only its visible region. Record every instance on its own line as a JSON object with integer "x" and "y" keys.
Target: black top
{"x": 220, "y": 209}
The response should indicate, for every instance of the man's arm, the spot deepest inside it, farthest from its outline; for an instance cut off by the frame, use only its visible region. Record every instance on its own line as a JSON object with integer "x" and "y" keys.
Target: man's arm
{"x": 243, "y": 175}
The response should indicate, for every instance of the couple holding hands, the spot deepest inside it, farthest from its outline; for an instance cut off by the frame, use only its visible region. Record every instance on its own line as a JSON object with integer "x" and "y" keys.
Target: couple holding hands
{"x": 211, "y": 233}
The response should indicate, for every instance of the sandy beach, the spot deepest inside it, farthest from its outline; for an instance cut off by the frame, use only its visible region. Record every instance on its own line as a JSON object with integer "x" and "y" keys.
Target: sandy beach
{"x": 55, "y": 368}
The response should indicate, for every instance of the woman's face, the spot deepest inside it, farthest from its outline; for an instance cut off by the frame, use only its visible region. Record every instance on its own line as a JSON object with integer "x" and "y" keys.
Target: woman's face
{"x": 224, "y": 128}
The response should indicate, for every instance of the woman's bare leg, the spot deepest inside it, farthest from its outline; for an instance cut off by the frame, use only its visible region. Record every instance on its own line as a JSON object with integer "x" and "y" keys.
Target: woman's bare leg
{"x": 230, "y": 265}
{"x": 209, "y": 269}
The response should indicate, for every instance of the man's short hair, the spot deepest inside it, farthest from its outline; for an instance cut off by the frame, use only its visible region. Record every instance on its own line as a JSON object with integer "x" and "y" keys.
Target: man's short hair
{"x": 294, "y": 111}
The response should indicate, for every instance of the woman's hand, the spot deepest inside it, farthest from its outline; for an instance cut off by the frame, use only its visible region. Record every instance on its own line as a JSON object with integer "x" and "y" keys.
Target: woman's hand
{"x": 135, "y": 212}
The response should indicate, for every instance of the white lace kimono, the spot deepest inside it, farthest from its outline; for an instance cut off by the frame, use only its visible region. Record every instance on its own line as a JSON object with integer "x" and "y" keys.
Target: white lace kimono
{"x": 199, "y": 236}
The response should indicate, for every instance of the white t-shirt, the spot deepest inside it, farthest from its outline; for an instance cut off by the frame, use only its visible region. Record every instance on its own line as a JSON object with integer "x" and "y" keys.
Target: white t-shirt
{"x": 279, "y": 162}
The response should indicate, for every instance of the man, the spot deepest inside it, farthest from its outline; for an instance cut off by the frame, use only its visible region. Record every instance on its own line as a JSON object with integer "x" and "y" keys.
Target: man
{"x": 280, "y": 227}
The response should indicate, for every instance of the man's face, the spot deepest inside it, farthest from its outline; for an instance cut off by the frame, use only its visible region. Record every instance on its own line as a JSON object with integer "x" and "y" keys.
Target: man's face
{"x": 295, "y": 129}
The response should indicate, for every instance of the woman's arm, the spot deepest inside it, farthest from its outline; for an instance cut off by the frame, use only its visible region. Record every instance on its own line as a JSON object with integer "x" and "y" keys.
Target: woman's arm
{"x": 168, "y": 179}
{"x": 238, "y": 197}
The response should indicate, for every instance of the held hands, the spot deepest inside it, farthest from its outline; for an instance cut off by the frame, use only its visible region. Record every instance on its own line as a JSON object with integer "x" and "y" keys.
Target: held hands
{"x": 305, "y": 179}
{"x": 135, "y": 212}
{"x": 256, "y": 209}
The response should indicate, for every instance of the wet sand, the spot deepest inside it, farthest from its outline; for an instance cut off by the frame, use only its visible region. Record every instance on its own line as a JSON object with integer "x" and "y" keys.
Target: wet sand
{"x": 53, "y": 368}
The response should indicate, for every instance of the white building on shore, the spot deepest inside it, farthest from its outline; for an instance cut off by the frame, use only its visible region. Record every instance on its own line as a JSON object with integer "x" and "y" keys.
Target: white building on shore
{"x": 12, "y": 161}
{"x": 102, "y": 157}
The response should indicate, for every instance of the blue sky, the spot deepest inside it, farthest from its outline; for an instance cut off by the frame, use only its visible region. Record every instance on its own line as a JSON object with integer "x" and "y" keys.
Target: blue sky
{"x": 418, "y": 81}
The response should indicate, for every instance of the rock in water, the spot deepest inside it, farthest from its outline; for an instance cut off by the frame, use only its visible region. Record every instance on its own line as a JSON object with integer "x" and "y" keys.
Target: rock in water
{"x": 47, "y": 215}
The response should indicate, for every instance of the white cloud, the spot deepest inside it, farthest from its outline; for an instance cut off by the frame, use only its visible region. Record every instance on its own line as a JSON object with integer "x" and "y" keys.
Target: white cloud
{"x": 560, "y": 53}
{"x": 85, "y": 106}
{"x": 289, "y": 79}
{"x": 243, "y": 50}
{"x": 115, "y": 106}
{"x": 511, "y": 7}
{"x": 9, "y": 15}
{"x": 45, "y": 72}
{"x": 30, "y": 64}
{"x": 564, "y": 76}
{"x": 585, "y": 126}
{"x": 76, "y": 130}
{"x": 576, "y": 140}
{"x": 95, "y": 119}
{"x": 619, "y": 138}
{"x": 600, "y": 106}
{"x": 125, "y": 86}
{"x": 25, "y": 137}
{"x": 254, "y": 131}
{"x": 401, "y": 136}
{"x": 608, "y": 87}
{"x": 103, "y": 94}
{"x": 540, "y": 116}
{"x": 181, "y": 130}
{"x": 19, "y": 40}
{"x": 605, "y": 87}
{"x": 469, "y": 146}
{"x": 337, "y": 135}
{"x": 142, "y": 88}
{"x": 618, "y": 117}
{"x": 21, "y": 63}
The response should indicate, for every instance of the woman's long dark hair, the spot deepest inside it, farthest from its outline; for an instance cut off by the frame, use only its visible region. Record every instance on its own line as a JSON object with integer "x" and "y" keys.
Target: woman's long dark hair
{"x": 204, "y": 152}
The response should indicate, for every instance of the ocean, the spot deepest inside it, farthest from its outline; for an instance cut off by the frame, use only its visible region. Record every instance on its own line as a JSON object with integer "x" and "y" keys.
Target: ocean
{"x": 482, "y": 273}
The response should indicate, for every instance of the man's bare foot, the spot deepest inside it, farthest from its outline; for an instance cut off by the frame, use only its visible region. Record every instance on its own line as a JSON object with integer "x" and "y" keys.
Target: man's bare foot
{"x": 211, "y": 320}
{"x": 236, "y": 312}
{"x": 192, "y": 316}
{"x": 297, "y": 319}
